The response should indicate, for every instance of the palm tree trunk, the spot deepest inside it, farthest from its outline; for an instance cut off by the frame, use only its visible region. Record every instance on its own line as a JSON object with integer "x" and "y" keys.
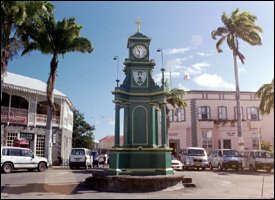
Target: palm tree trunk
{"x": 50, "y": 109}
{"x": 239, "y": 128}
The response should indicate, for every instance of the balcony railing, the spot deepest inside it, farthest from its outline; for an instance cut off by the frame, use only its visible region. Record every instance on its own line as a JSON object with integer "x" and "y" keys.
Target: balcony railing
{"x": 16, "y": 115}
{"x": 20, "y": 116}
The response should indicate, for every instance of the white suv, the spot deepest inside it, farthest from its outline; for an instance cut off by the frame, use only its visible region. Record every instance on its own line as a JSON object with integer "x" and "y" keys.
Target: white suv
{"x": 21, "y": 158}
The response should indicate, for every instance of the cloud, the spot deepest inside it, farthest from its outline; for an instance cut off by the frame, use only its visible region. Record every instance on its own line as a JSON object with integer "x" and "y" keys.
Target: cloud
{"x": 157, "y": 78}
{"x": 213, "y": 81}
{"x": 197, "y": 68}
{"x": 181, "y": 86}
{"x": 176, "y": 51}
{"x": 204, "y": 54}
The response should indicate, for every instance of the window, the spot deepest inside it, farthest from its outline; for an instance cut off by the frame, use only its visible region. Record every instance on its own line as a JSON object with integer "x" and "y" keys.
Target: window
{"x": 204, "y": 112}
{"x": 207, "y": 139}
{"x": 54, "y": 138}
{"x": 180, "y": 114}
{"x": 170, "y": 115}
{"x": 27, "y": 153}
{"x": 227, "y": 144}
{"x": 255, "y": 144}
{"x": 222, "y": 112}
{"x": 207, "y": 144}
{"x": 11, "y": 137}
{"x": 40, "y": 145}
{"x": 253, "y": 114}
{"x": 235, "y": 111}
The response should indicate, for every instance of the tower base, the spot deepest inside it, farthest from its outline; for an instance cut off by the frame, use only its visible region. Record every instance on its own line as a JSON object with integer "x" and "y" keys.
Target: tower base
{"x": 140, "y": 161}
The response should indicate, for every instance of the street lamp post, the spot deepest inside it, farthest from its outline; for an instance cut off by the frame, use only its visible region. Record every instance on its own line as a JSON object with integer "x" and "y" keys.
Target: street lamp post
{"x": 117, "y": 59}
{"x": 162, "y": 69}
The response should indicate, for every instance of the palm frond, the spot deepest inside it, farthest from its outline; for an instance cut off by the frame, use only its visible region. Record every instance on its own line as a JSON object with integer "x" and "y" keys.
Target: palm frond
{"x": 266, "y": 94}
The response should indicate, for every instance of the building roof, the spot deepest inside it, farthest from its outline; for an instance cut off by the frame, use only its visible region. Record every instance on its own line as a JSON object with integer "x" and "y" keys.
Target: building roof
{"x": 19, "y": 82}
{"x": 110, "y": 138}
{"x": 31, "y": 85}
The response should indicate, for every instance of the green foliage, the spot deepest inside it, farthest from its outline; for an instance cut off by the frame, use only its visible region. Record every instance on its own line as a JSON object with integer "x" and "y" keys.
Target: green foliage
{"x": 174, "y": 97}
{"x": 266, "y": 145}
{"x": 266, "y": 94}
{"x": 16, "y": 17}
{"x": 82, "y": 132}
{"x": 240, "y": 25}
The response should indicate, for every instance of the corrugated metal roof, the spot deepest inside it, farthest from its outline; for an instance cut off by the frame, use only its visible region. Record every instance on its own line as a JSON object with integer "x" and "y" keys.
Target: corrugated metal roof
{"x": 25, "y": 83}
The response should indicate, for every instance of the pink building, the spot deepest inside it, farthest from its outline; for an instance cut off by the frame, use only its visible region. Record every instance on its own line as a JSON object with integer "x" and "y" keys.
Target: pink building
{"x": 209, "y": 121}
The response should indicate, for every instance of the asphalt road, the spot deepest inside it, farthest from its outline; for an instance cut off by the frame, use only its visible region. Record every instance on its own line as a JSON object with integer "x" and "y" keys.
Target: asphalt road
{"x": 70, "y": 184}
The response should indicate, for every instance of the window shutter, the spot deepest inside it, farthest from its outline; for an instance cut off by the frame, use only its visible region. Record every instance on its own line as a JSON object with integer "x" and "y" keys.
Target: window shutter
{"x": 199, "y": 112}
{"x": 208, "y": 112}
{"x": 249, "y": 113}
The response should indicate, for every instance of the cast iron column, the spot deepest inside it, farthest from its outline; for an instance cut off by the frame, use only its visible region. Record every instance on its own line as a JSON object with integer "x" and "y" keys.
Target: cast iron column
{"x": 117, "y": 128}
{"x": 163, "y": 125}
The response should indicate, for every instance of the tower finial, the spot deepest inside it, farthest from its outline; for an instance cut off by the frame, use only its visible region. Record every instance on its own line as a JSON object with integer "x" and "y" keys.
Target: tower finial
{"x": 138, "y": 22}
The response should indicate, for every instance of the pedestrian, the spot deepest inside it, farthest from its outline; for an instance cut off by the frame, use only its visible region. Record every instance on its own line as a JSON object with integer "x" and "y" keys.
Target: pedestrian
{"x": 105, "y": 163}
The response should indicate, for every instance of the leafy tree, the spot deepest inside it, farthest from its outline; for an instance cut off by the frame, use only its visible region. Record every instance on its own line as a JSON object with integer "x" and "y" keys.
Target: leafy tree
{"x": 55, "y": 38}
{"x": 266, "y": 94}
{"x": 16, "y": 16}
{"x": 82, "y": 132}
{"x": 240, "y": 25}
{"x": 266, "y": 145}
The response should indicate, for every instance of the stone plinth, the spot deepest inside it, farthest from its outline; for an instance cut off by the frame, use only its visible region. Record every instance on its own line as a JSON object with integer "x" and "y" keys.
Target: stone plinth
{"x": 127, "y": 183}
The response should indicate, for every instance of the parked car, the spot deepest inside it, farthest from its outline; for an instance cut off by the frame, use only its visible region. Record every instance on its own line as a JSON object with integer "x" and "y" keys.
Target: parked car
{"x": 258, "y": 159}
{"x": 194, "y": 157}
{"x": 80, "y": 157}
{"x": 225, "y": 159}
{"x": 21, "y": 158}
{"x": 176, "y": 164}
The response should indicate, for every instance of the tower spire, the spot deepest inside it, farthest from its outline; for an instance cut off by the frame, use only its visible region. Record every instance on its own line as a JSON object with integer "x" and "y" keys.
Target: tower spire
{"x": 138, "y": 22}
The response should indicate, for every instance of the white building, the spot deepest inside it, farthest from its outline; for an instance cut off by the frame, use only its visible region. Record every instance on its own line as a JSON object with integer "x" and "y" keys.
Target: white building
{"x": 24, "y": 115}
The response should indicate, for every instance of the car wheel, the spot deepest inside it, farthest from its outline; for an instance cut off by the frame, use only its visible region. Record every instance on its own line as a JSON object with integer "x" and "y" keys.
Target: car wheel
{"x": 42, "y": 166}
{"x": 219, "y": 167}
{"x": 269, "y": 169}
{"x": 251, "y": 168}
{"x": 203, "y": 168}
{"x": 210, "y": 166}
{"x": 7, "y": 168}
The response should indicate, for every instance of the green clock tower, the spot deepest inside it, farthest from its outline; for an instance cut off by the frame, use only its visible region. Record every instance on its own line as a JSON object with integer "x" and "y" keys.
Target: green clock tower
{"x": 144, "y": 150}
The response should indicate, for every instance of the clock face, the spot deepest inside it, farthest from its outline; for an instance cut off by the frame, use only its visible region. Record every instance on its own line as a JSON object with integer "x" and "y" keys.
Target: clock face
{"x": 139, "y": 51}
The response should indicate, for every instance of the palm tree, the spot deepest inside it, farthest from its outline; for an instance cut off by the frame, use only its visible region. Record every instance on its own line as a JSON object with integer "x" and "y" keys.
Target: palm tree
{"x": 55, "y": 38}
{"x": 240, "y": 25}
{"x": 266, "y": 94}
{"x": 174, "y": 98}
{"x": 14, "y": 17}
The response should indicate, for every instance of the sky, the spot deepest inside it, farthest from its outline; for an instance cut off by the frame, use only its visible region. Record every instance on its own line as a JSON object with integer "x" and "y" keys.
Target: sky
{"x": 181, "y": 29}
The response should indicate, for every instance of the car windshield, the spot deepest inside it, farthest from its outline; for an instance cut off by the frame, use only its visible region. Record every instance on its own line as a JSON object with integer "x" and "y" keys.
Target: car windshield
{"x": 230, "y": 153}
{"x": 77, "y": 152}
{"x": 262, "y": 154}
{"x": 195, "y": 152}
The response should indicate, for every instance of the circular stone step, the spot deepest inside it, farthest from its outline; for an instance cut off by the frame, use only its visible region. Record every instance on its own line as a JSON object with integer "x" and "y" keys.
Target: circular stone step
{"x": 127, "y": 183}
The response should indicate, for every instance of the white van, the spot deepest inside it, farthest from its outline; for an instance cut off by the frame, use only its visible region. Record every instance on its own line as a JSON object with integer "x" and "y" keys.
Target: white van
{"x": 257, "y": 159}
{"x": 81, "y": 157}
{"x": 194, "y": 157}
